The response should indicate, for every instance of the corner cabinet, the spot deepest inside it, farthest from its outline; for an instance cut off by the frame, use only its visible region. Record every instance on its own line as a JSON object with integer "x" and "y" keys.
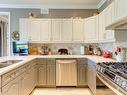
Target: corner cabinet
{"x": 91, "y": 29}
{"x": 91, "y": 76}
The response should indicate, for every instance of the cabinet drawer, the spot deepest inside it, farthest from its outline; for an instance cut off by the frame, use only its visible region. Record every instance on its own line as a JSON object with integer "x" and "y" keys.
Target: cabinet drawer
{"x": 41, "y": 61}
{"x": 10, "y": 76}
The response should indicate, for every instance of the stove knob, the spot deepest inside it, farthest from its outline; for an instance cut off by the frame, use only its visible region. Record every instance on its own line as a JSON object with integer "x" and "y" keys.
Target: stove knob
{"x": 124, "y": 84}
{"x": 117, "y": 80}
{"x": 120, "y": 82}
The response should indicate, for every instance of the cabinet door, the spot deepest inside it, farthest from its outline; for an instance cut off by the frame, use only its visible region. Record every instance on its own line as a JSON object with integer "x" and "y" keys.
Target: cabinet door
{"x": 102, "y": 32}
{"x": 42, "y": 75}
{"x": 121, "y": 8}
{"x": 109, "y": 18}
{"x": 66, "y": 34}
{"x": 91, "y": 29}
{"x": 24, "y": 26}
{"x": 91, "y": 76}
{"x": 25, "y": 84}
{"x": 11, "y": 88}
{"x": 45, "y": 30}
{"x": 82, "y": 71}
{"x": 51, "y": 72}
{"x": 51, "y": 75}
{"x": 56, "y": 30}
{"x": 35, "y": 30}
{"x": 82, "y": 75}
{"x": 78, "y": 29}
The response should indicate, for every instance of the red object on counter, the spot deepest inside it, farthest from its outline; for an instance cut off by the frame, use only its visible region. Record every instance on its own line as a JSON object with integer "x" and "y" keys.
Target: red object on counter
{"x": 107, "y": 54}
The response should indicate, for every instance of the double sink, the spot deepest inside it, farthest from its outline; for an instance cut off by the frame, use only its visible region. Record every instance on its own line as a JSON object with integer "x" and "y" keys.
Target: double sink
{"x": 8, "y": 63}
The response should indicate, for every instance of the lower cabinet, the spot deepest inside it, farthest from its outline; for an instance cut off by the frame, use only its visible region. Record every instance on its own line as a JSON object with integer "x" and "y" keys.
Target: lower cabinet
{"x": 82, "y": 67}
{"x": 22, "y": 84}
{"x": 12, "y": 88}
{"x": 91, "y": 76}
{"x": 41, "y": 77}
{"x": 46, "y": 72}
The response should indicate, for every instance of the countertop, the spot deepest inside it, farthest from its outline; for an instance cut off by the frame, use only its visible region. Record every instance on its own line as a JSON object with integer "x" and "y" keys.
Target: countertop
{"x": 26, "y": 59}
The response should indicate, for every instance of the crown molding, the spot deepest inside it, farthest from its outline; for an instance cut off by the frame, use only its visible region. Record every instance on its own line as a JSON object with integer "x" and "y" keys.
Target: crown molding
{"x": 101, "y": 3}
{"x": 38, "y": 6}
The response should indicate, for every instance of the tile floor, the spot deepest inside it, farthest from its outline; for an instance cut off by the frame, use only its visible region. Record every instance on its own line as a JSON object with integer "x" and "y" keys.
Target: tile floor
{"x": 61, "y": 91}
{"x": 69, "y": 91}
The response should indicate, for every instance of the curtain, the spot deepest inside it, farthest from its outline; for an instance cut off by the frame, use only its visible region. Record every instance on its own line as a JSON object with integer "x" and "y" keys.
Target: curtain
{"x": 3, "y": 38}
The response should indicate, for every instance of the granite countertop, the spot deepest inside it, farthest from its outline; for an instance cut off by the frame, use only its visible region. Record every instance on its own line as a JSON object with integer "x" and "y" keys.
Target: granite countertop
{"x": 26, "y": 59}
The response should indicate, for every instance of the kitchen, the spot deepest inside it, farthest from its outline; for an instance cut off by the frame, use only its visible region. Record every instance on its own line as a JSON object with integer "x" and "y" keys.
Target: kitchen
{"x": 63, "y": 47}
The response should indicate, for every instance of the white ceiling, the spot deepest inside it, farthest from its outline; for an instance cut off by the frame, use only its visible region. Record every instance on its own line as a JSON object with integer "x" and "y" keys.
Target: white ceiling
{"x": 83, "y": 4}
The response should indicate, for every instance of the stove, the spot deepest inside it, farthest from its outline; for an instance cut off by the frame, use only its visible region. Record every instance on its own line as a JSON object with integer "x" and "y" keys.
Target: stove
{"x": 115, "y": 72}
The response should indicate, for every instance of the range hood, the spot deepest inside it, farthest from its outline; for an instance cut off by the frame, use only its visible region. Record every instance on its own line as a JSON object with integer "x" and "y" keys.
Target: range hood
{"x": 119, "y": 24}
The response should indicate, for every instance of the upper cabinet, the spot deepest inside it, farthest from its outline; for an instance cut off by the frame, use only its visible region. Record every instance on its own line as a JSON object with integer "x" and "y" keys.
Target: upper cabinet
{"x": 45, "y": 30}
{"x": 91, "y": 29}
{"x": 35, "y": 30}
{"x": 67, "y": 29}
{"x": 121, "y": 8}
{"x": 78, "y": 29}
{"x": 24, "y": 26}
{"x": 106, "y": 17}
{"x": 56, "y": 30}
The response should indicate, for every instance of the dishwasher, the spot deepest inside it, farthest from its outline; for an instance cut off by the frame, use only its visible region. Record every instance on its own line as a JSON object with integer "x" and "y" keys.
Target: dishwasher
{"x": 66, "y": 73}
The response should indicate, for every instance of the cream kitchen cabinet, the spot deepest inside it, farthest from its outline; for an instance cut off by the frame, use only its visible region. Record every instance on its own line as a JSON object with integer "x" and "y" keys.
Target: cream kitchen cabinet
{"x": 46, "y": 72}
{"x": 109, "y": 18}
{"x": 82, "y": 69}
{"x": 120, "y": 8}
{"x": 78, "y": 30}
{"x": 41, "y": 77}
{"x": 51, "y": 75}
{"x": 67, "y": 29}
{"x": 35, "y": 30}
{"x": 56, "y": 30}
{"x": 27, "y": 82}
{"x": 24, "y": 26}
{"x": 106, "y": 17}
{"x": 12, "y": 88}
{"x": 91, "y": 76}
{"x": 45, "y": 30}
{"x": 91, "y": 28}
{"x": 102, "y": 32}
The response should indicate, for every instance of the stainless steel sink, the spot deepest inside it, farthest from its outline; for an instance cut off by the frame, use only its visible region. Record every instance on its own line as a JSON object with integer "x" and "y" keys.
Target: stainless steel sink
{"x": 2, "y": 65}
{"x": 8, "y": 63}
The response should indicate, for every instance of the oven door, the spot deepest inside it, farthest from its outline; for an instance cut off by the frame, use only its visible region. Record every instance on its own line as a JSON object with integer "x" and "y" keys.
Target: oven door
{"x": 110, "y": 87}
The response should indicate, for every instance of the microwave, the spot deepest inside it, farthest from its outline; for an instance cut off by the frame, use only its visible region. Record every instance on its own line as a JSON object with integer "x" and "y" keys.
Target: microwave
{"x": 20, "y": 48}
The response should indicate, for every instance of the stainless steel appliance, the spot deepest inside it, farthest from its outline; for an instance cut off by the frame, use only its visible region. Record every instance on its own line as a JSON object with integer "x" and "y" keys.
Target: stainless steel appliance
{"x": 114, "y": 75}
{"x": 66, "y": 73}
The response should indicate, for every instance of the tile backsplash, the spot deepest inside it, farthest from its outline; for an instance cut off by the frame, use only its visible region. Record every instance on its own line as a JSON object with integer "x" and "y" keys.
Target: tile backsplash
{"x": 72, "y": 48}
{"x": 111, "y": 46}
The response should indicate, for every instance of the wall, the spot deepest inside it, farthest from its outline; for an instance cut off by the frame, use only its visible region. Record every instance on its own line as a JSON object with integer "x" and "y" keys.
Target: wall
{"x": 53, "y": 13}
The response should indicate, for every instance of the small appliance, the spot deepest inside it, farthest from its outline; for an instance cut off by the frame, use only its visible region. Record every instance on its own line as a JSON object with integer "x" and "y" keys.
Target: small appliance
{"x": 20, "y": 48}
